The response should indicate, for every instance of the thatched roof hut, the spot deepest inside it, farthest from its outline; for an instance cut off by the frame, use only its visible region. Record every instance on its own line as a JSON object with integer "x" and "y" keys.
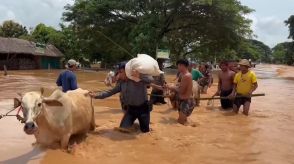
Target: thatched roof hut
{"x": 14, "y": 51}
{"x": 20, "y": 46}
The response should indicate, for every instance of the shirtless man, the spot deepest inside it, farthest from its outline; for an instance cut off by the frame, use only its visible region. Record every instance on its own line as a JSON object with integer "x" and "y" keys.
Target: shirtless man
{"x": 184, "y": 91}
{"x": 225, "y": 85}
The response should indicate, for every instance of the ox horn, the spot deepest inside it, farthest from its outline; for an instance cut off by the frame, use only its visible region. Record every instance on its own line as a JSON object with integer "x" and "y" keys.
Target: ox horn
{"x": 16, "y": 102}
{"x": 20, "y": 94}
{"x": 42, "y": 90}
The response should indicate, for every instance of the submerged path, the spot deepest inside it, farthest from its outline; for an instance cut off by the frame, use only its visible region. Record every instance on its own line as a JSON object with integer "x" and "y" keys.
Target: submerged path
{"x": 266, "y": 136}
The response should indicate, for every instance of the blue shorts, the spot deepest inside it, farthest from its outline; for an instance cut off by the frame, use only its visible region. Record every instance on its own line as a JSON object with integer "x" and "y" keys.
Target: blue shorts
{"x": 187, "y": 106}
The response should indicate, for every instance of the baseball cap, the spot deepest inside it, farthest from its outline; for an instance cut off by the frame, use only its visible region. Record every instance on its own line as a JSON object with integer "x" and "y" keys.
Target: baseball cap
{"x": 121, "y": 65}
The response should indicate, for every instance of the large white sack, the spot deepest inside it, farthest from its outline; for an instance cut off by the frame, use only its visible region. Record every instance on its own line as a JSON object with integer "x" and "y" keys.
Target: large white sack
{"x": 144, "y": 64}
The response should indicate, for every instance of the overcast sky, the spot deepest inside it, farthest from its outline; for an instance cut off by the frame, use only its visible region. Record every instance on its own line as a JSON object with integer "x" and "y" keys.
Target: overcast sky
{"x": 268, "y": 18}
{"x": 32, "y": 12}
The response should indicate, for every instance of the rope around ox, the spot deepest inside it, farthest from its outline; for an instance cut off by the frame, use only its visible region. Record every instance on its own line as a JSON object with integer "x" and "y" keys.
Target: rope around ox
{"x": 18, "y": 117}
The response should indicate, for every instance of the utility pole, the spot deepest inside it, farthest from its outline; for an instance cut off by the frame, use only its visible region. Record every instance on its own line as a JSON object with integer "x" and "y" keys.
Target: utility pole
{"x": 5, "y": 70}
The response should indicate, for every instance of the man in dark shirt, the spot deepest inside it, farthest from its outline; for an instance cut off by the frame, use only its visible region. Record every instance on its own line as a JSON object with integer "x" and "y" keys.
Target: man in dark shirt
{"x": 67, "y": 79}
{"x": 134, "y": 97}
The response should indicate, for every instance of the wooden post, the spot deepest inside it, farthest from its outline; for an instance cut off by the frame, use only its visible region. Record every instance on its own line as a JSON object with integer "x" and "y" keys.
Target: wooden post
{"x": 5, "y": 70}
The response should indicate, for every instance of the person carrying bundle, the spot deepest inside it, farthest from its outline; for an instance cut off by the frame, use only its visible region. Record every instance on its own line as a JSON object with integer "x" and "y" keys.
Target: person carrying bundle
{"x": 135, "y": 77}
{"x": 134, "y": 98}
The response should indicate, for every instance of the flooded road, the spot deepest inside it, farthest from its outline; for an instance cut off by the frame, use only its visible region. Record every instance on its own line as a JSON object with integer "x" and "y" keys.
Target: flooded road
{"x": 266, "y": 136}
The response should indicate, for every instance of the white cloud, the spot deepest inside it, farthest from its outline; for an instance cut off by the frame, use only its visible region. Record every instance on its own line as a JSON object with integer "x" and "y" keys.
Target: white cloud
{"x": 270, "y": 30}
{"x": 6, "y": 13}
{"x": 32, "y": 12}
{"x": 268, "y": 19}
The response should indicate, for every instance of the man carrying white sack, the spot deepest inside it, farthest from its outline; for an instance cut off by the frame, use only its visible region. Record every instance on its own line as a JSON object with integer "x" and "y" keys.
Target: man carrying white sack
{"x": 133, "y": 89}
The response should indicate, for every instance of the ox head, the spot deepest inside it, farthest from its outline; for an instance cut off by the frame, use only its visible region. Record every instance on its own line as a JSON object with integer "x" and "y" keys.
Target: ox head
{"x": 32, "y": 104}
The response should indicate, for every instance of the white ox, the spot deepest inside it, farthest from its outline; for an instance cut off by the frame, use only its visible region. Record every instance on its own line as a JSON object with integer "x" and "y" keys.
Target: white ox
{"x": 195, "y": 95}
{"x": 56, "y": 118}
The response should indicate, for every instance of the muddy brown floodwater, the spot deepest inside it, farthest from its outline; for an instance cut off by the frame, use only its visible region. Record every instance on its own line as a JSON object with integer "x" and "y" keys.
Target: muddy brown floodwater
{"x": 266, "y": 136}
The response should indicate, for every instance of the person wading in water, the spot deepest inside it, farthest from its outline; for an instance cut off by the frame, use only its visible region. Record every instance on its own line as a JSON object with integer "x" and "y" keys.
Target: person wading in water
{"x": 184, "y": 91}
{"x": 67, "y": 79}
{"x": 245, "y": 83}
{"x": 207, "y": 80}
{"x": 225, "y": 85}
{"x": 134, "y": 97}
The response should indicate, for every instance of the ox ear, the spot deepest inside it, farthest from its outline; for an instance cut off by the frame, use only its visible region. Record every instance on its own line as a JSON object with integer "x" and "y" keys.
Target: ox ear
{"x": 42, "y": 91}
{"x": 16, "y": 102}
{"x": 50, "y": 102}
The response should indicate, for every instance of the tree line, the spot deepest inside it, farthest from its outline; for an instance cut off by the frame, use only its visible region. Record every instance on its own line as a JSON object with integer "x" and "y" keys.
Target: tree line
{"x": 116, "y": 30}
{"x": 283, "y": 53}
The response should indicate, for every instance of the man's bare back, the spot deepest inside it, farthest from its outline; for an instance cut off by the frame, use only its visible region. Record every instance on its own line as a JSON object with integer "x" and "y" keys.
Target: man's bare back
{"x": 226, "y": 79}
{"x": 186, "y": 85}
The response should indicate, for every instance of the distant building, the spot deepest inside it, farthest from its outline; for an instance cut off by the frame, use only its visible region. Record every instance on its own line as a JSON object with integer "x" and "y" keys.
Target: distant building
{"x": 22, "y": 54}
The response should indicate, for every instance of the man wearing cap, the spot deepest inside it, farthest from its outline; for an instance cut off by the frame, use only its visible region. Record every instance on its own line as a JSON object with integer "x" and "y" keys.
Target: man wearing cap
{"x": 245, "y": 83}
{"x": 134, "y": 98}
{"x": 120, "y": 78}
{"x": 67, "y": 79}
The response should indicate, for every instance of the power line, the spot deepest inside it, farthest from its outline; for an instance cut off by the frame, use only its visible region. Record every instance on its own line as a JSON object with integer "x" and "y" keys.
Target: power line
{"x": 115, "y": 44}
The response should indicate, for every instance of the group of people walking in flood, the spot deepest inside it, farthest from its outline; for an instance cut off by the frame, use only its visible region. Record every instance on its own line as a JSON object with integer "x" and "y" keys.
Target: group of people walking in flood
{"x": 235, "y": 87}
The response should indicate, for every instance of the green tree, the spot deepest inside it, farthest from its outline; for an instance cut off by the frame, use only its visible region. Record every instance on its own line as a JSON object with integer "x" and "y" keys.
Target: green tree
{"x": 290, "y": 24}
{"x": 70, "y": 44}
{"x": 248, "y": 49}
{"x": 49, "y": 35}
{"x": 283, "y": 53}
{"x": 44, "y": 34}
{"x": 264, "y": 52}
{"x": 279, "y": 52}
{"x": 12, "y": 29}
{"x": 288, "y": 47}
{"x": 139, "y": 26}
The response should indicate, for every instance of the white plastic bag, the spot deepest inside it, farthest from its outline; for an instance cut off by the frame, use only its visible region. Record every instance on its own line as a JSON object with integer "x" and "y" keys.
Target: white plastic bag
{"x": 144, "y": 64}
